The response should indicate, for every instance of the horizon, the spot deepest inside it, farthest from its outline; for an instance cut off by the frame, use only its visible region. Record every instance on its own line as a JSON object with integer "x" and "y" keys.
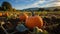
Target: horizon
{"x": 24, "y": 4}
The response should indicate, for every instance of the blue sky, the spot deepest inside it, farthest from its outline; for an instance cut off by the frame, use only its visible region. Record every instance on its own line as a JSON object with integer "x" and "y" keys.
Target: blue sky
{"x": 23, "y": 4}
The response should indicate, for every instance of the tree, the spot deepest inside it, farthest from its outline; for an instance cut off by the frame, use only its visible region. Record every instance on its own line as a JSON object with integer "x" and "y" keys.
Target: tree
{"x": 47, "y": 10}
{"x": 0, "y": 9}
{"x": 6, "y": 6}
{"x": 56, "y": 9}
{"x": 14, "y": 10}
{"x": 41, "y": 9}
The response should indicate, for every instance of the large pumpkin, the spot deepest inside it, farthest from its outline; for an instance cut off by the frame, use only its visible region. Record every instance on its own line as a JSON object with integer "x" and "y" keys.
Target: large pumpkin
{"x": 34, "y": 21}
{"x": 0, "y": 14}
{"x": 23, "y": 17}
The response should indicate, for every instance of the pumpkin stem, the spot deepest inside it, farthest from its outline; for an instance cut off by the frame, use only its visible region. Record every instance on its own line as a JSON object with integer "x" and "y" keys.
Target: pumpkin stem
{"x": 32, "y": 13}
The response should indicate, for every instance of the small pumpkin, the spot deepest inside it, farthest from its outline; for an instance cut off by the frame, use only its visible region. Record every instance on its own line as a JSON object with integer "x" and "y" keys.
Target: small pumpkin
{"x": 34, "y": 21}
{"x": 23, "y": 16}
{"x": 0, "y": 14}
{"x": 6, "y": 14}
{"x": 21, "y": 28}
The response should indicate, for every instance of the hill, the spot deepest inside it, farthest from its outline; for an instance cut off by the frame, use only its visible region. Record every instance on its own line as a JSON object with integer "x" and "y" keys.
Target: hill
{"x": 42, "y": 9}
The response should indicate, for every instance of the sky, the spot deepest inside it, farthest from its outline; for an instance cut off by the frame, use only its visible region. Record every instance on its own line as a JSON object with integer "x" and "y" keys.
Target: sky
{"x": 24, "y": 4}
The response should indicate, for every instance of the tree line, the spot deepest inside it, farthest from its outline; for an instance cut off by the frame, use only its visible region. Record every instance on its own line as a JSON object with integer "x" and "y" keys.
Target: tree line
{"x": 6, "y": 6}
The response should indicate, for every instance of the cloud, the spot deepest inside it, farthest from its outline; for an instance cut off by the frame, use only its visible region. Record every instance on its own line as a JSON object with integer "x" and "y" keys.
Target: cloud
{"x": 36, "y": 4}
{"x": 40, "y": 3}
{"x": 55, "y": 3}
{"x": 44, "y": 3}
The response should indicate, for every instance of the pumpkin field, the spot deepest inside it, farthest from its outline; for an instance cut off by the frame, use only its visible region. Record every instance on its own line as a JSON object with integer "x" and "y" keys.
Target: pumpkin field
{"x": 29, "y": 17}
{"x": 28, "y": 23}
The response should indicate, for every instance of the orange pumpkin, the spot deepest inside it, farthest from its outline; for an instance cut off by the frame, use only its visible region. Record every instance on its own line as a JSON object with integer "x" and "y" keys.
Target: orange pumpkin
{"x": 23, "y": 17}
{"x": 6, "y": 14}
{"x": 0, "y": 14}
{"x": 34, "y": 21}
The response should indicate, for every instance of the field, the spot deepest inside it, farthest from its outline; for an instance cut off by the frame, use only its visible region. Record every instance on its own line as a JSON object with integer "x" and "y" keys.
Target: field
{"x": 29, "y": 17}
{"x": 51, "y": 22}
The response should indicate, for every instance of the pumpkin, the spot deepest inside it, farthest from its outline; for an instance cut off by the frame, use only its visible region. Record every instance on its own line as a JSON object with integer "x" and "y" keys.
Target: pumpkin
{"x": 6, "y": 14}
{"x": 34, "y": 21}
{"x": 21, "y": 28}
{"x": 0, "y": 14}
{"x": 23, "y": 16}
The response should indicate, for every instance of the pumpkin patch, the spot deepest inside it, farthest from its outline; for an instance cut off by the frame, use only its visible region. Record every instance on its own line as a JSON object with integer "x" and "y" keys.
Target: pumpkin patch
{"x": 34, "y": 21}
